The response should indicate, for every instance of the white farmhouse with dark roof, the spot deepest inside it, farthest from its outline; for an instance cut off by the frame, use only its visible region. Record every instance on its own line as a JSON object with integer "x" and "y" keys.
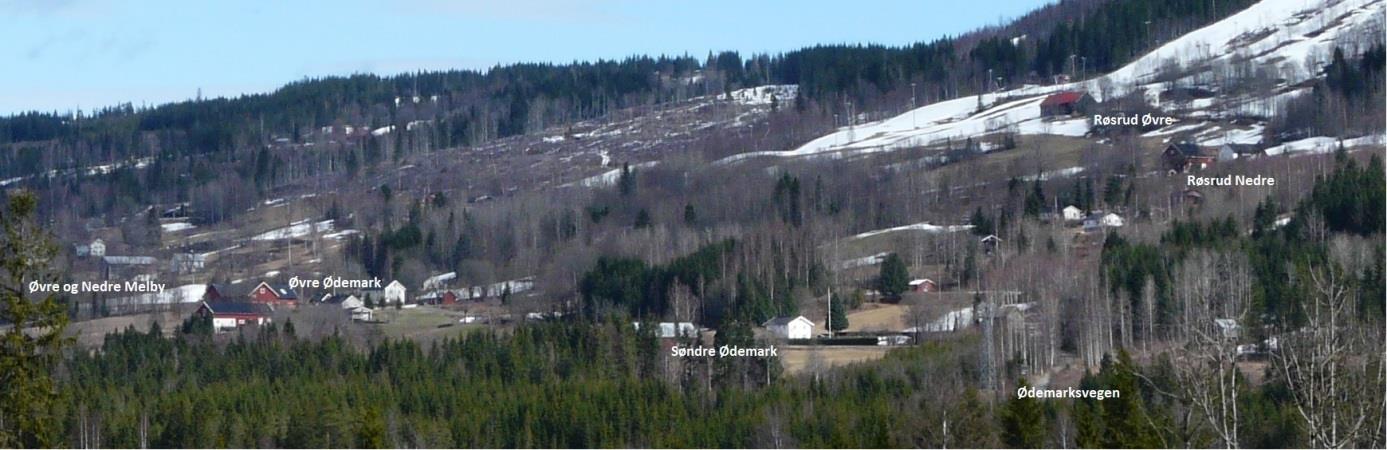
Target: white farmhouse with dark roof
{"x": 796, "y": 327}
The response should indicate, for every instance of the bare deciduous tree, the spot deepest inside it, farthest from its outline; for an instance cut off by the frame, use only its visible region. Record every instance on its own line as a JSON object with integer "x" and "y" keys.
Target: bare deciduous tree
{"x": 1333, "y": 371}
{"x": 1214, "y": 292}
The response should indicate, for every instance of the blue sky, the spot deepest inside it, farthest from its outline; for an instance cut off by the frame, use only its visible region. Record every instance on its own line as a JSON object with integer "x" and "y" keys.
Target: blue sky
{"x": 60, "y": 55}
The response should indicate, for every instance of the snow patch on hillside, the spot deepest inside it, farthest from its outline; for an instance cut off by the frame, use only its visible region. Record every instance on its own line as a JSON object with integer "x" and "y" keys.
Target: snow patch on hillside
{"x": 1052, "y": 174}
{"x": 340, "y": 235}
{"x": 295, "y": 230}
{"x": 951, "y": 321}
{"x": 922, "y": 226}
{"x": 607, "y": 178}
{"x": 763, "y": 95}
{"x": 1323, "y": 144}
{"x": 863, "y": 261}
{"x": 176, "y": 226}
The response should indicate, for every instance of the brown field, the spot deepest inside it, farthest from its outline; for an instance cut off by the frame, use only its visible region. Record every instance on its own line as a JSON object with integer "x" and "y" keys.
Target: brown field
{"x": 878, "y": 317}
{"x": 92, "y": 333}
{"x": 800, "y": 359}
{"x": 423, "y": 323}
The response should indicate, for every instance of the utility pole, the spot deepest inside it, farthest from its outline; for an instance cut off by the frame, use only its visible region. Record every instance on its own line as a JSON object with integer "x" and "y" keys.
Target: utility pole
{"x": 852, "y": 135}
{"x": 829, "y": 322}
{"x": 913, "y": 106}
{"x": 990, "y": 312}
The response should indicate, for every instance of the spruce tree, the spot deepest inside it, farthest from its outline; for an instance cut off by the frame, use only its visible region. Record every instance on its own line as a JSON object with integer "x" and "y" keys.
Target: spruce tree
{"x": 28, "y": 393}
{"x": 1023, "y": 422}
{"x": 626, "y": 182}
{"x": 1126, "y": 412}
{"x": 838, "y": 313}
{"x": 894, "y": 278}
{"x": 690, "y": 216}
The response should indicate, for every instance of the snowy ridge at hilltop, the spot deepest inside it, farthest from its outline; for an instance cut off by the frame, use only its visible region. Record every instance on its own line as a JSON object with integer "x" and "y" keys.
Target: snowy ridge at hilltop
{"x": 1294, "y": 37}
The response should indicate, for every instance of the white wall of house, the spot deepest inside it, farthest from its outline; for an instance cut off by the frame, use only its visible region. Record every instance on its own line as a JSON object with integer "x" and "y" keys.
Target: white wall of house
{"x": 800, "y": 328}
{"x": 223, "y": 323}
{"x": 231, "y": 323}
{"x": 394, "y": 292}
{"x": 1113, "y": 220}
{"x": 1073, "y": 213}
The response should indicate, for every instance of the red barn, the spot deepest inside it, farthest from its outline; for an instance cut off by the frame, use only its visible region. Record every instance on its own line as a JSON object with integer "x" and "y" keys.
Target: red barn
{"x": 274, "y": 294}
{"x": 1065, "y": 103}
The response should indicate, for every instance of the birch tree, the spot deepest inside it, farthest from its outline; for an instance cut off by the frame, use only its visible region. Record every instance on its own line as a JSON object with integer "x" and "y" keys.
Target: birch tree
{"x": 1331, "y": 367}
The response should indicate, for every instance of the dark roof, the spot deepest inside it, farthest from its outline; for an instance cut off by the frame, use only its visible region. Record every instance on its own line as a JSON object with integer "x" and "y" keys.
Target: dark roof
{"x": 227, "y": 290}
{"x": 1186, "y": 149}
{"x": 1062, "y": 98}
{"x": 259, "y": 309}
{"x": 282, "y": 290}
{"x": 782, "y": 320}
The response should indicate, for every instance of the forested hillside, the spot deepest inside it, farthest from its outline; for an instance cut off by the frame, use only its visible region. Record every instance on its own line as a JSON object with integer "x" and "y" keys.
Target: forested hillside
{"x": 595, "y": 381}
{"x": 227, "y": 139}
{"x": 922, "y": 232}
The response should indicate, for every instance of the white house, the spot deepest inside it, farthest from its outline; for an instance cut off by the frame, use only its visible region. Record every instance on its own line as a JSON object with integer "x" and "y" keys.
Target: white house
{"x": 394, "y": 292}
{"x": 97, "y": 248}
{"x": 1073, "y": 213}
{"x": 796, "y": 327}
{"x": 1112, "y": 220}
{"x": 346, "y": 301}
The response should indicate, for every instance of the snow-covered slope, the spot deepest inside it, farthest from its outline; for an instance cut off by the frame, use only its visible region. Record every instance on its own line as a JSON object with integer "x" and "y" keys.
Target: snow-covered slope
{"x": 1286, "y": 34}
{"x": 1292, "y": 38}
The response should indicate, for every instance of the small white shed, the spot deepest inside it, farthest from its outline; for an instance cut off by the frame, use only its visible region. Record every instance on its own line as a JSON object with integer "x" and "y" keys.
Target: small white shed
{"x": 1073, "y": 213}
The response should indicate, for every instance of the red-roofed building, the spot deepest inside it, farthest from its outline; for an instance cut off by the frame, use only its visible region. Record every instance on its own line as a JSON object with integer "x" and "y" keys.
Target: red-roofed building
{"x": 1065, "y": 103}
